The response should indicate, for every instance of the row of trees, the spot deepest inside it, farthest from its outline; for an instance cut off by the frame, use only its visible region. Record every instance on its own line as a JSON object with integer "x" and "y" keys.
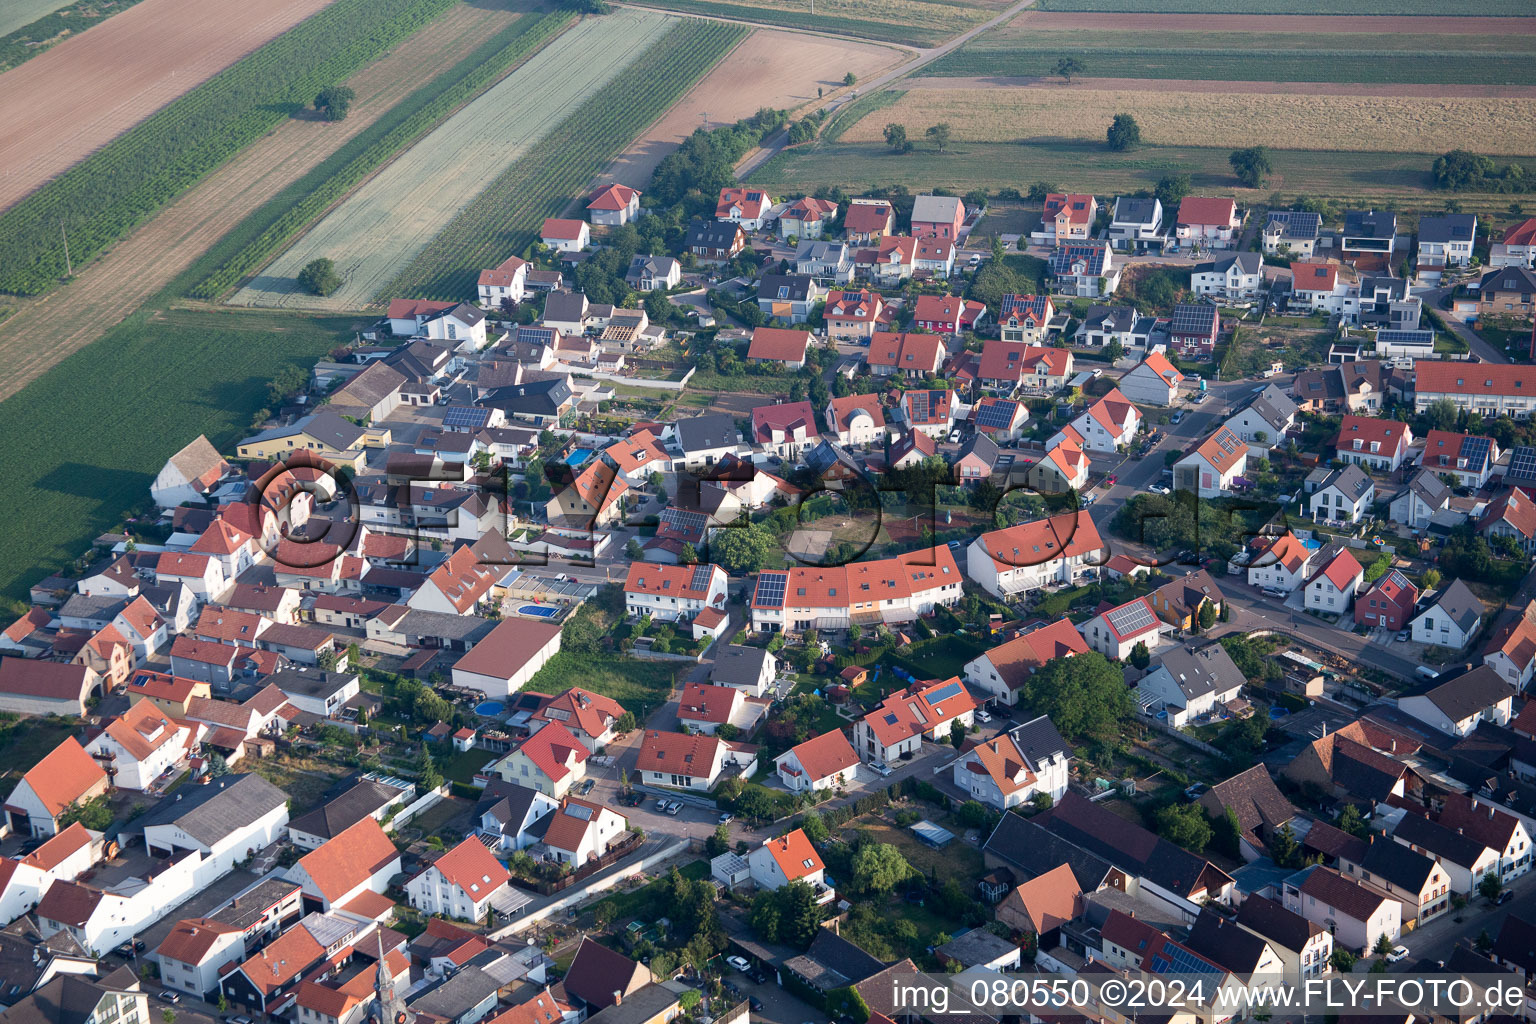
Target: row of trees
{"x": 896, "y": 137}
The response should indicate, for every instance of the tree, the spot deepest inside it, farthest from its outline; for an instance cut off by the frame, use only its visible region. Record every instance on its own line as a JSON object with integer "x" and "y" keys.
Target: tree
{"x": 938, "y": 134}
{"x": 1342, "y": 960}
{"x": 1351, "y": 822}
{"x": 1124, "y": 133}
{"x": 1431, "y": 579}
{"x": 742, "y": 549}
{"x": 1184, "y": 824}
{"x": 334, "y": 101}
{"x": 1114, "y": 351}
{"x": 688, "y": 556}
{"x": 878, "y": 868}
{"x": 815, "y": 827}
{"x": 1484, "y": 941}
{"x": 765, "y": 916}
{"x": 633, "y": 551}
{"x": 1066, "y": 67}
{"x": 217, "y": 765}
{"x": 719, "y": 842}
{"x": 1251, "y": 165}
{"x": 1085, "y": 696}
{"x": 319, "y": 277}
{"x": 427, "y": 775}
{"x": 1283, "y": 848}
{"x": 1171, "y": 188}
{"x": 1491, "y": 885}
{"x": 168, "y": 1015}
{"x": 799, "y": 916}
{"x": 580, "y": 635}
{"x": 1206, "y": 617}
{"x": 896, "y": 138}
{"x": 1383, "y": 945}
{"x": 956, "y": 734}
{"x": 850, "y": 78}
{"x": 1140, "y": 656}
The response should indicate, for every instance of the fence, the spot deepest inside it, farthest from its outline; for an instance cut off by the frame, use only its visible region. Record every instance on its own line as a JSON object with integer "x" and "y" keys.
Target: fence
{"x": 533, "y": 917}
{"x": 620, "y": 849}
{"x": 430, "y": 798}
{"x": 634, "y": 382}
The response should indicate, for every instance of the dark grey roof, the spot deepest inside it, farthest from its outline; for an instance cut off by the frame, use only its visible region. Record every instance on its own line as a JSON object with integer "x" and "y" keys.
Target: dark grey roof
{"x": 1254, "y": 797}
{"x": 1199, "y": 672}
{"x": 212, "y": 811}
{"x": 1270, "y": 919}
{"x": 1448, "y": 227}
{"x": 1370, "y": 223}
{"x": 506, "y": 801}
{"x": 1274, "y": 405}
{"x": 1037, "y": 739}
{"x": 1508, "y": 279}
{"x": 1467, "y": 694}
{"x": 1516, "y": 943}
{"x": 455, "y": 995}
{"x": 977, "y": 947}
{"x": 568, "y": 307}
{"x": 93, "y": 606}
{"x": 832, "y": 950}
{"x": 739, "y": 665}
{"x": 1351, "y": 481}
{"x": 337, "y": 815}
{"x": 828, "y": 454}
{"x": 1223, "y": 942}
{"x": 324, "y": 425}
{"x": 1247, "y": 263}
{"x": 306, "y": 682}
{"x": 540, "y": 397}
{"x": 418, "y": 623}
{"x": 1134, "y": 210}
{"x": 1430, "y": 488}
{"x": 1458, "y": 601}
{"x": 649, "y": 1002}
{"x": 1398, "y": 865}
{"x": 1111, "y": 318}
{"x": 712, "y": 234}
{"x": 793, "y": 287}
{"x": 703, "y": 433}
{"x": 463, "y": 312}
{"x": 1129, "y": 846}
{"x": 980, "y": 445}
{"x": 66, "y": 999}
{"x": 1445, "y": 843}
{"x": 1032, "y": 849}
{"x": 1385, "y": 287}
{"x": 1297, "y": 225}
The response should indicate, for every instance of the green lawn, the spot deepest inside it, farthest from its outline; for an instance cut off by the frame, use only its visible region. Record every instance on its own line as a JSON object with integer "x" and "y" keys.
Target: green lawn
{"x": 941, "y": 657}
{"x": 641, "y": 686}
{"x": 90, "y": 434}
{"x": 26, "y": 741}
{"x": 859, "y": 167}
{"x": 645, "y": 902}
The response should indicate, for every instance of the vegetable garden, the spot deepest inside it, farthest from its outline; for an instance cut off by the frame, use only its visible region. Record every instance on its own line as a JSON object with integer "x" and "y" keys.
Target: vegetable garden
{"x": 505, "y": 218}
{"x": 377, "y": 231}
{"x": 105, "y": 196}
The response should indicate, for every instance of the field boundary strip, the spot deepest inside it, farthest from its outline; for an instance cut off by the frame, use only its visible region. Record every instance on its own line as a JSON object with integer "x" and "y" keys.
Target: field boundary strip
{"x": 383, "y": 225}
{"x": 504, "y": 219}
{"x": 111, "y": 192}
{"x": 894, "y": 31}
{"x": 68, "y": 18}
{"x": 280, "y": 220}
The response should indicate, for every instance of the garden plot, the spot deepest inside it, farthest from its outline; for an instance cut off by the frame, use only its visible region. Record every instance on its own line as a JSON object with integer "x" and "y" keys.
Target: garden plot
{"x": 374, "y": 234}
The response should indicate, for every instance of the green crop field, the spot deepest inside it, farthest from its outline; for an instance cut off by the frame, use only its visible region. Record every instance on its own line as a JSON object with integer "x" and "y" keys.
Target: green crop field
{"x": 1087, "y": 166}
{"x": 506, "y": 217}
{"x": 1484, "y": 9}
{"x": 106, "y": 195}
{"x": 913, "y": 22}
{"x": 1147, "y": 59}
{"x": 381, "y": 227}
{"x": 100, "y": 424}
{"x": 264, "y": 232}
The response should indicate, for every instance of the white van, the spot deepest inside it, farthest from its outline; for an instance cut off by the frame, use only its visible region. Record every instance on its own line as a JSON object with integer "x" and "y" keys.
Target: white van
{"x": 1427, "y": 672}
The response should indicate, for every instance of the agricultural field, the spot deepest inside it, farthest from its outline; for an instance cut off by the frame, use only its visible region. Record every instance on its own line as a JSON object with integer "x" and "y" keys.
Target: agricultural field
{"x": 144, "y": 389}
{"x": 1485, "y": 9}
{"x": 66, "y": 103}
{"x": 377, "y": 231}
{"x": 506, "y": 217}
{"x": 1279, "y": 48}
{"x": 121, "y": 185}
{"x": 912, "y": 22}
{"x": 251, "y": 192}
{"x": 1347, "y": 177}
{"x": 784, "y": 70}
{"x": 18, "y": 14}
{"x": 1183, "y": 117}
{"x": 31, "y": 27}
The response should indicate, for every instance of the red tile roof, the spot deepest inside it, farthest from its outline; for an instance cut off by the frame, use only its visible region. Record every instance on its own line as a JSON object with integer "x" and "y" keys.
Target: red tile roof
{"x": 1441, "y": 377}
{"x": 59, "y": 848}
{"x": 613, "y": 197}
{"x": 463, "y": 579}
{"x": 473, "y": 869}
{"x": 1013, "y": 360}
{"x": 541, "y": 1008}
{"x": 1390, "y": 434}
{"x": 704, "y": 702}
{"x": 1513, "y": 509}
{"x": 142, "y": 729}
{"x": 1223, "y": 449}
{"x": 1078, "y": 208}
{"x": 866, "y": 218}
{"x": 1314, "y": 277}
{"x": 1043, "y": 540}
{"x": 1342, "y": 570}
{"x": 679, "y": 753}
{"x": 409, "y": 309}
{"x": 190, "y": 940}
{"x": 1285, "y": 550}
{"x": 752, "y": 202}
{"x": 784, "y": 420}
{"x": 906, "y": 713}
{"x": 780, "y": 344}
{"x": 175, "y": 563}
{"x": 906, "y": 351}
{"x": 1203, "y": 210}
{"x": 553, "y": 750}
{"x": 1523, "y": 233}
{"x": 844, "y": 408}
{"x": 64, "y": 776}
{"x": 825, "y": 755}
{"x": 794, "y": 855}
{"x": 946, "y": 309}
{"x": 501, "y": 276}
{"x": 809, "y": 209}
{"x": 562, "y": 229}
{"x": 348, "y": 859}
{"x": 1159, "y": 364}
{"x": 861, "y": 306}
{"x": 507, "y": 648}
{"x": 669, "y": 580}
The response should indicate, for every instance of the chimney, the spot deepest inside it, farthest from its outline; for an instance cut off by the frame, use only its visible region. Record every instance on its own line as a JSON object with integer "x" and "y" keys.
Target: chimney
{"x": 618, "y": 997}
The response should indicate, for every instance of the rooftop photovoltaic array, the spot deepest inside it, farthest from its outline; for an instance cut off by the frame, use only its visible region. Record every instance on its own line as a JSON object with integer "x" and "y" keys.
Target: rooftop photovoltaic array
{"x": 1474, "y": 450}
{"x": 995, "y": 414}
{"x": 1522, "y": 463}
{"x": 1228, "y": 441}
{"x": 1188, "y": 318}
{"x": 1406, "y": 337}
{"x": 461, "y": 416}
{"x": 770, "y": 589}
{"x": 944, "y": 693}
{"x": 1173, "y": 959}
{"x": 1130, "y": 618}
{"x": 701, "y": 575}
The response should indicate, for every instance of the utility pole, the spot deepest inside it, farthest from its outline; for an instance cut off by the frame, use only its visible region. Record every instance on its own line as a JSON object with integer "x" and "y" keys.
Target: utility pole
{"x": 69, "y": 270}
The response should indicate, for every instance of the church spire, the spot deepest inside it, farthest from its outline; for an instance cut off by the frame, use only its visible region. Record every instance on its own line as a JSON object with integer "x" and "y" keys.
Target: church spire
{"x": 388, "y": 1007}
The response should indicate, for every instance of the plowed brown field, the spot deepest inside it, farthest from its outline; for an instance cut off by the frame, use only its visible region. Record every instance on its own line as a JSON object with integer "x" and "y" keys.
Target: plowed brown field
{"x": 43, "y": 332}
{"x": 66, "y": 103}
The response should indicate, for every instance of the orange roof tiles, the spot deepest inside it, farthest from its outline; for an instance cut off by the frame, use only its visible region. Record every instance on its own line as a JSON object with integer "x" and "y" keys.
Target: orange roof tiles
{"x": 66, "y": 774}
{"x": 613, "y": 197}
{"x": 191, "y": 939}
{"x": 906, "y": 351}
{"x": 59, "y": 848}
{"x": 669, "y": 580}
{"x": 704, "y": 702}
{"x": 795, "y": 855}
{"x": 779, "y": 344}
{"x": 1342, "y": 570}
{"x": 542, "y": 1008}
{"x": 825, "y": 755}
{"x": 1206, "y": 211}
{"x": 1314, "y": 277}
{"x": 348, "y": 859}
{"x": 907, "y": 713}
{"x": 1044, "y": 540}
{"x": 844, "y": 408}
{"x": 1013, "y": 360}
{"x": 472, "y": 868}
{"x": 1001, "y": 760}
{"x": 563, "y": 229}
{"x": 862, "y": 306}
{"x": 553, "y": 750}
{"x": 679, "y": 753}
{"x": 142, "y": 730}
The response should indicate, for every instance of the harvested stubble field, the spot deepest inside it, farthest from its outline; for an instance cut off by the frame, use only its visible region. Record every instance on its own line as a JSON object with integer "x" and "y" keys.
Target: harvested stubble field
{"x": 1174, "y": 117}
{"x": 376, "y": 232}
{"x": 84, "y": 92}
{"x": 913, "y": 22}
{"x": 769, "y": 69}
{"x": 505, "y": 218}
{"x": 46, "y": 330}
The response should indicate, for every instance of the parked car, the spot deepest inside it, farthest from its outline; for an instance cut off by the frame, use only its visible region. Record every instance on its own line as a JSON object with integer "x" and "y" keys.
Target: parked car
{"x": 1275, "y": 592}
{"x": 1177, "y": 417}
{"x": 1402, "y": 636}
{"x": 1503, "y": 897}
{"x": 880, "y": 768}
{"x": 755, "y": 1003}
{"x": 1398, "y": 954}
{"x": 676, "y": 806}
{"x": 585, "y": 787}
{"x": 739, "y": 962}
{"x": 982, "y": 716}
{"x": 170, "y": 995}
{"x": 726, "y": 818}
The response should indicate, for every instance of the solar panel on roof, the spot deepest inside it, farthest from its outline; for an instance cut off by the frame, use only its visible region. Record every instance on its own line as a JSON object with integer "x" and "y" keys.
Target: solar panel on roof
{"x": 1522, "y": 463}
{"x": 770, "y": 590}
{"x": 995, "y": 414}
{"x": 944, "y": 693}
{"x": 463, "y": 416}
{"x": 1188, "y": 318}
{"x": 1172, "y": 959}
{"x": 1474, "y": 450}
{"x": 1406, "y": 337}
{"x": 1130, "y": 618}
{"x": 701, "y": 575}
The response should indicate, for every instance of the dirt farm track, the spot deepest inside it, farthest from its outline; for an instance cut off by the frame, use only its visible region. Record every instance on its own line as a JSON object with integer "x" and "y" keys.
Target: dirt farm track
{"x": 64, "y": 104}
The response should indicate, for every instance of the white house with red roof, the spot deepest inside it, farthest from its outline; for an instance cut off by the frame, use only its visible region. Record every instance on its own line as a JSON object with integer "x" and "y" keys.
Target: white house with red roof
{"x": 1067, "y": 217}
{"x": 1468, "y": 458}
{"x": 1007, "y": 365}
{"x": 1373, "y": 443}
{"x": 456, "y": 586}
{"x": 189, "y": 475}
{"x": 550, "y": 761}
{"x": 1212, "y": 469}
{"x": 705, "y": 707}
{"x": 579, "y": 831}
{"x": 614, "y": 205}
{"x": 194, "y": 951}
{"x": 913, "y": 356}
{"x": 1115, "y": 632}
{"x": 807, "y": 217}
{"x": 65, "y": 857}
{"x": 1331, "y": 590}
{"x": 947, "y": 314}
{"x": 743, "y": 205}
{"x": 67, "y": 775}
{"x": 1064, "y": 467}
{"x": 1153, "y": 381}
{"x": 1207, "y": 223}
{"x": 406, "y": 316}
{"x": 1105, "y": 426}
{"x": 856, "y": 419}
{"x": 565, "y": 235}
{"x": 506, "y": 280}
{"x": 928, "y": 412}
{"x": 783, "y": 345}
{"x": 1001, "y": 419}
{"x": 868, "y": 220}
{"x": 203, "y": 574}
{"x": 1025, "y": 317}
{"x": 1009, "y": 770}
{"x": 904, "y": 719}
{"x": 507, "y": 657}
{"x": 139, "y": 745}
{"x": 854, "y": 315}
{"x": 359, "y": 859}
{"x": 142, "y": 627}
{"x": 1319, "y": 288}
{"x": 891, "y": 262}
{"x": 1282, "y": 563}
{"x": 786, "y": 429}
{"x": 672, "y": 592}
{"x": 1517, "y": 248}
{"x": 886, "y": 590}
{"x": 1512, "y": 515}
{"x": 822, "y": 762}
{"x": 680, "y": 760}
{"x": 1025, "y": 557}
{"x": 462, "y": 883}
{"x": 590, "y": 717}
{"x": 1002, "y": 671}
{"x": 789, "y": 858}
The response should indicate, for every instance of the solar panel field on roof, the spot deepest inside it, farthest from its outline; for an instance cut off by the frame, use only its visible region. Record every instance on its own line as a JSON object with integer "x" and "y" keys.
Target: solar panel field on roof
{"x": 1187, "y": 318}
{"x": 1172, "y": 959}
{"x": 1475, "y": 451}
{"x": 1127, "y": 619}
{"x": 458, "y": 416}
{"x": 1406, "y": 337}
{"x": 770, "y": 589}
{"x": 701, "y": 575}
{"x": 1522, "y": 463}
{"x": 995, "y": 414}
{"x": 944, "y": 693}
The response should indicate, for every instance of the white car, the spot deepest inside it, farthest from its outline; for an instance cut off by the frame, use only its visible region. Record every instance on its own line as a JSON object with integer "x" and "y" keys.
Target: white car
{"x": 880, "y": 768}
{"x": 1398, "y": 954}
{"x": 982, "y": 716}
{"x": 738, "y": 962}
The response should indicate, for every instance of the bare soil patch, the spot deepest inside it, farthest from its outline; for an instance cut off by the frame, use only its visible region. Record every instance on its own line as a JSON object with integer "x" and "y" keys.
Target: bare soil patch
{"x": 1045, "y": 21}
{"x": 48, "y": 329}
{"x": 64, "y": 104}
{"x": 769, "y": 69}
{"x": 1200, "y": 85}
